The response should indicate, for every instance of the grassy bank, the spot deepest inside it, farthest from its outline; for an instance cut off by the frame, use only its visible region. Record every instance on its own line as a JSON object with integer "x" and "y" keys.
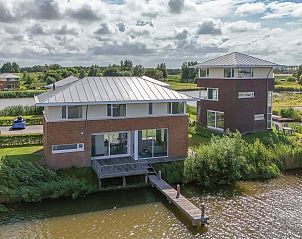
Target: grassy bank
{"x": 286, "y": 100}
{"x": 176, "y": 84}
{"x": 30, "y": 120}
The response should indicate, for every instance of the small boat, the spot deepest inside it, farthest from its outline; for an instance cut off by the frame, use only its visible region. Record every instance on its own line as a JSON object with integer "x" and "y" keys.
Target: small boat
{"x": 19, "y": 123}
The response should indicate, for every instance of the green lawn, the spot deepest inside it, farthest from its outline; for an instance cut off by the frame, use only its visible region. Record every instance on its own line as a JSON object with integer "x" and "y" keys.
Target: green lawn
{"x": 174, "y": 81}
{"x": 28, "y": 153}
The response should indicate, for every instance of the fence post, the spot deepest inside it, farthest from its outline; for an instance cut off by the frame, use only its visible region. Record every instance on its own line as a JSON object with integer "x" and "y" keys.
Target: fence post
{"x": 178, "y": 191}
{"x": 202, "y": 211}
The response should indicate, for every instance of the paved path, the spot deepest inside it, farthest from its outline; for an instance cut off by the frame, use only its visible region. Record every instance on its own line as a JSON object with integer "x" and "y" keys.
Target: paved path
{"x": 31, "y": 129}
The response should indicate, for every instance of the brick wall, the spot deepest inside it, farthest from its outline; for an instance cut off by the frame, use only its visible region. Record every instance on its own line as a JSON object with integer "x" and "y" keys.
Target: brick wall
{"x": 76, "y": 131}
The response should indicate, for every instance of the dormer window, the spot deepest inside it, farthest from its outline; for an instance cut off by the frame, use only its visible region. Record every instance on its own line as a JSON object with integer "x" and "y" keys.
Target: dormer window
{"x": 245, "y": 72}
{"x": 229, "y": 72}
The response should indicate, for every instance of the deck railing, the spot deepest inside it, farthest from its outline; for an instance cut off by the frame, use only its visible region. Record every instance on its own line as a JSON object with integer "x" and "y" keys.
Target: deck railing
{"x": 118, "y": 169}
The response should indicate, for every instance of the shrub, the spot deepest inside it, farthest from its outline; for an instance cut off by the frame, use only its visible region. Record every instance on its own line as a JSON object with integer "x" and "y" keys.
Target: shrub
{"x": 30, "y": 182}
{"x": 20, "y": 94}
{"x": 21, "y": 110}
{"x": 291, "y": 79}
{"x": 300, "y": 80}
{"x": 20, "y": 140}
{"x": 291, "y": 113}
{"x": 229, "y": 158}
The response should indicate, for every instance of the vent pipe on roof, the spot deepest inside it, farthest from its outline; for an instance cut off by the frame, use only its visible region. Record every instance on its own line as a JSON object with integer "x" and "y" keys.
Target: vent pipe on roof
{"x": 53, "y": 86}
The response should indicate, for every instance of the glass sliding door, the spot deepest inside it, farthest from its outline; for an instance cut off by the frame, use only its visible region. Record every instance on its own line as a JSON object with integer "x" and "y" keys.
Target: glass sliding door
{"x": 153, "y": 143}
{"x": 215, "y": 120}
{"x": 109, "y": 144}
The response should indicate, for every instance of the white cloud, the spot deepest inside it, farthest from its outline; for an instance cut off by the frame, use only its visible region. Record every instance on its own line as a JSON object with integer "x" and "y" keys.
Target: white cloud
{"x": 250, "y": 8}
{"x": 209, "y": 26}
{"x": 243, "y": 26}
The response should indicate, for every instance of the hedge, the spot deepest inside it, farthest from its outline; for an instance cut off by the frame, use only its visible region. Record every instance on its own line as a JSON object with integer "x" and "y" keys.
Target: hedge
{"x": 20, "y": 93}
{"x": 20, "y": 140}
{"x": 16, "y": 110}
{"x": 30, "y": 121}
{"x": 279, "y": 88}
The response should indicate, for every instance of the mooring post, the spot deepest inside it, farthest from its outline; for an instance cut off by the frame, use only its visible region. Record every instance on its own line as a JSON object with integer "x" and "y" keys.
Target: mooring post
{"x": 124, "y": 182}
{"x": 146, "y": 179}
{"x": 202, "y": 211}
{"x": 100, "y": 184}
{"x": 178, "y": 191}
{"x": 159, "y": 174}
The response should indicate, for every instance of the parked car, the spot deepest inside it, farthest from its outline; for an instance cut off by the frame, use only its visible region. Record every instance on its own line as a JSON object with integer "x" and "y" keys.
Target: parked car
{"x": 19, "y": 123}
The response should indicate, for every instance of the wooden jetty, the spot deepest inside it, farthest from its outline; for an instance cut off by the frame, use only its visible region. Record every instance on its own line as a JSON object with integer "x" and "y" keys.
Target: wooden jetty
{"x": 196, "y": 215}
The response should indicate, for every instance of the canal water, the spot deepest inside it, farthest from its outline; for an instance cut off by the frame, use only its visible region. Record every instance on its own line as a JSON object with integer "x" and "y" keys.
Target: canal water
{"x": 270, "y": 209}
{"x": 16, "y": 101}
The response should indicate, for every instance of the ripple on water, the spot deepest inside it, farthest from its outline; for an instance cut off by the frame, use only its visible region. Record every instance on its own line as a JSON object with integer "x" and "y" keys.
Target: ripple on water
{"x": 271, "y": 209}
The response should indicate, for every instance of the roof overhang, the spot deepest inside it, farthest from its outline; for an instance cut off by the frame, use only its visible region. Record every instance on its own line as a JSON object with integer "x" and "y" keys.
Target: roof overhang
{"x": 233, "y": 66}
{"x": 112, "y": 102}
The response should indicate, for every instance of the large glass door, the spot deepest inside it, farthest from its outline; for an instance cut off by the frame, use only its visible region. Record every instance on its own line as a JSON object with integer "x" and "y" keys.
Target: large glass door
{"x": 109, "y": 144}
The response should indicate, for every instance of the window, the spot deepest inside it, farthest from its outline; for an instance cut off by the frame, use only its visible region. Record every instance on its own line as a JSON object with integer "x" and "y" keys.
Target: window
{"x": 204, "y": 72}
{"x": 176, "y": 108}
{"x": 215, "y": 120}
{"x": 229, "y": 72}
{"x": 269, "y": 109}
{"x": 72, "y": 112}
{"x": 259, "y": 117}
{"x": 116, "y": 110}
{"x": 150, "y": 108}
{"x": 212, "y": 94}
{"x": 242, "y": 95}
{"x": 67, "y": 148}
{"x": 245, "y": 72}
{"x": 153, "y": 143}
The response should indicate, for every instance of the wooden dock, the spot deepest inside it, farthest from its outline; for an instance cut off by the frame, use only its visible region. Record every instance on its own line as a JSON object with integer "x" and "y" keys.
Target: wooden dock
{"x": 195, "y": 214}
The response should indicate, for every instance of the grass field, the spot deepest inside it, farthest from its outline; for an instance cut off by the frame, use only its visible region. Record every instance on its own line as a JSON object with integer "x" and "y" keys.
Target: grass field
{"x": 174, "y": 81}
{"x": 286, "y": 100}
{"x": 28, "y": 153}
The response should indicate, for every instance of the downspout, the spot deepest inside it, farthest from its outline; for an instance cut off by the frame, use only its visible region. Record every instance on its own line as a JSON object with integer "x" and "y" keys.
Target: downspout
{"x": 267, "y": 93}
{"x": 86, "y": 131}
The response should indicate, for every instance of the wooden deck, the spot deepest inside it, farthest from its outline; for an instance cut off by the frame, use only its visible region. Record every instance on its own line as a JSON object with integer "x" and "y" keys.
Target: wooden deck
{"x": 188, "y": 208}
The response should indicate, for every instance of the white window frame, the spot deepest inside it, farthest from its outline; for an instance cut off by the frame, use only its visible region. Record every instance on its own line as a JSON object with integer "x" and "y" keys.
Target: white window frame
{"x": 80, "y": 148}
{"x": 171, "y": 108}
{"x": 207, "y": 72}
{"x": 259, "y": 117}
{"x": 111, "y": 113}
{"x": 215, "y": 128}
{"x": 232, "y": 72}
{"x": 66, "y": 112}
{"x": 217, "y": 99}
{"x": 252, "y": 72}
{"x": 246, "y": 94}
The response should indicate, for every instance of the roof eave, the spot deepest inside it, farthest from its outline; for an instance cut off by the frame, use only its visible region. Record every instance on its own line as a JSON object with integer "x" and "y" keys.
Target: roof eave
{"x": 234, "y": 66}
{"x": 111, "y": 102}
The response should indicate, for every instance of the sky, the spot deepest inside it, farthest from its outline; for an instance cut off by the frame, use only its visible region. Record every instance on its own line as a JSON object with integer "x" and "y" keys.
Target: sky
{"x": 102, "y": 32}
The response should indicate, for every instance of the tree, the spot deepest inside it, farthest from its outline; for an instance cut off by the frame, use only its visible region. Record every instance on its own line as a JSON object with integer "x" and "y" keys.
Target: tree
{"x": 300, "y": 80}
{"x": 138, "y": 70}
{"x": 82, "y": 73}
{"x": 27, "y": 78}
{"x": 163, "y": 69}
{"x": 126, "y": 65}
{"x": 298, "y": 73}
{"x": 10, "y": 68}
{"x": 154, "y": 73}
{"x": 188, "y": 73}
{"x": 92, "y": 71}
{"x": 50, "y": 80}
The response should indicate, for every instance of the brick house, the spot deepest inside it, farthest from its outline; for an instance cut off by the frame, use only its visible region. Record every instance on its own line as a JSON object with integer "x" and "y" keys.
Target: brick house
{"x": 237, "y": 93}
{"x": 9, "y": 81}
{"x": 107, "y": 118}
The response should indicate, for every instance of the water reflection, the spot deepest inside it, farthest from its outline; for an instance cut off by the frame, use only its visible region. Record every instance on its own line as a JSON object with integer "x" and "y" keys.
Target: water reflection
{"x": 269, "y": 209}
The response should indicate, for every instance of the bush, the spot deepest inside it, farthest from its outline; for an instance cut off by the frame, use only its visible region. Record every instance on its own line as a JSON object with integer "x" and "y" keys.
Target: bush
{"x": 30, "y": 182}
{"x": 20, "y": 140}
{"x": 21, "y": 110}
{"x": 229, "y": 158}
{"x": 291, "y": 79}
{"x": 29, "y": 121}
{"x": 20, "y": 93}
{"x": 291, "y": 113}
{"x": 300, "y": 80}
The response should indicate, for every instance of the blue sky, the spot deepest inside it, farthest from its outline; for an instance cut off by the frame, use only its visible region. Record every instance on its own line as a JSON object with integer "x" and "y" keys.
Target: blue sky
{"x": 78, "y": 32}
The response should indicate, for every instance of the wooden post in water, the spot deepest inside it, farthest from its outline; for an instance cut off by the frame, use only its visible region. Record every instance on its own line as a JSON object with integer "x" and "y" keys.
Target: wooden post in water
{"x": 159, "y": 174}
{"x": 124, "y": 182}
{"x": 178, "y": 191}
{"x": 202, "y": 211}
{"x": 100, "y": 184}
{"x": 146, "y": 179}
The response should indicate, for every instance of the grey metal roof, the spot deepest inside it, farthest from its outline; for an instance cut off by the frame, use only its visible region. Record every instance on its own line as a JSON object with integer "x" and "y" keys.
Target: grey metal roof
{"x": 8, "y": 75}
{"x": 155, "y": 81}
{"x": 65, "y": 81}
{"x": 235, "y": 59}
{"x": 104, "y": 90}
